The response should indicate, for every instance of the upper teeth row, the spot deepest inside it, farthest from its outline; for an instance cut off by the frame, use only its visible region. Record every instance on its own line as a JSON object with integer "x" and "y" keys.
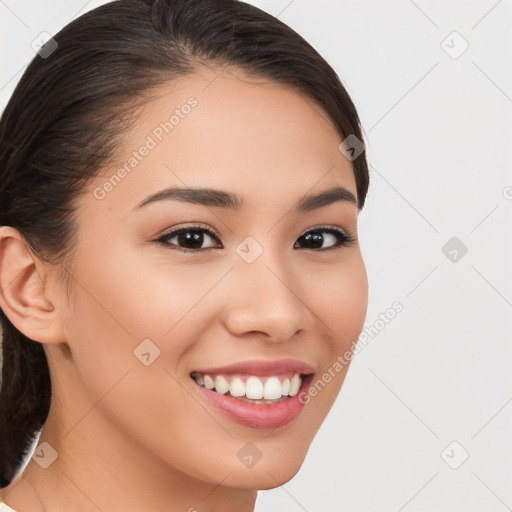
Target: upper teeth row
{"x": 253, "y": 387}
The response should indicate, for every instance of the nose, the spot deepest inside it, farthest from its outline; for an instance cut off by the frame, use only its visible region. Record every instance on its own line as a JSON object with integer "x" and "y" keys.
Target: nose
{"x": 267, "y": 299}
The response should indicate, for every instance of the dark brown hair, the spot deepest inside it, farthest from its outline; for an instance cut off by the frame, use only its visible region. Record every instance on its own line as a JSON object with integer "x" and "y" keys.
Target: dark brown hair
{"x": 69, "y": 111}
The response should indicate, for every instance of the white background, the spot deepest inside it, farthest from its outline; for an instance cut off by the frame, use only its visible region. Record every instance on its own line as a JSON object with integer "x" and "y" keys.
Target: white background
{"x": 439, "y": 135}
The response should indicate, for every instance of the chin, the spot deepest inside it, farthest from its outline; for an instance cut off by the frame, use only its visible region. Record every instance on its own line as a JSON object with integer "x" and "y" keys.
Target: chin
{"x": 264, "y": 477}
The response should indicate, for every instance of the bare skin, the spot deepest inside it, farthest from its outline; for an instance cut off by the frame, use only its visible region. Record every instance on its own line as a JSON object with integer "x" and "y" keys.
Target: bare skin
{"x": 134, "y": 437}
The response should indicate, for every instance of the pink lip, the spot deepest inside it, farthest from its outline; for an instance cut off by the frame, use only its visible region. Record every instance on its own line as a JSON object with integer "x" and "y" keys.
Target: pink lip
{"x": 260, "y": 416}
{"x": 261, "y": 368}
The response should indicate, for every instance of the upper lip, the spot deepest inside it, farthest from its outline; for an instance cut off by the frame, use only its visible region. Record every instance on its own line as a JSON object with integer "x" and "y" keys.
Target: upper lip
{"x": 261, "y": 367}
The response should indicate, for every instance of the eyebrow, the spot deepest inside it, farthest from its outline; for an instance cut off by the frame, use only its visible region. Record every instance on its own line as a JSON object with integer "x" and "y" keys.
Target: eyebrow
{"x": 223, "y": 199}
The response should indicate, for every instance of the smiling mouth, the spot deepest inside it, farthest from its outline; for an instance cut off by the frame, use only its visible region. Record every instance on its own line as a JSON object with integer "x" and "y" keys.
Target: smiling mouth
{"x": 253, "y": 389}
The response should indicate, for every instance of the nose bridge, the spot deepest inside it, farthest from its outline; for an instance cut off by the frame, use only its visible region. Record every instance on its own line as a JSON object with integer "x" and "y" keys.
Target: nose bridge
{"x": 264, "y": 297}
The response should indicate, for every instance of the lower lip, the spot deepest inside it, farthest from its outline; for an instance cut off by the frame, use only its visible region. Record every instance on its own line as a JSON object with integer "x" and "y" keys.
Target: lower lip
{"x": 262, "y": 416}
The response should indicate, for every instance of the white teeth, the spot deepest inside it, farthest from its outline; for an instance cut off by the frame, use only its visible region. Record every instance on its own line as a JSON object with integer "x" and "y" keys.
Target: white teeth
{"x": 237, "y": 387}
{"x": 286, "y": 387}
{"x": 221, "y": 385}
{"x": 273, "y": 389}
{"x": 209, "y": 383}
{"x": 253, "y": 388}
{"x": 295, "y": 385}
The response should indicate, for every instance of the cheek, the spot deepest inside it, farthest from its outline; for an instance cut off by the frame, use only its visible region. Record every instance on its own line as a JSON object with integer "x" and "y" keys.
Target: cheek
{"x": 339, "y": 300}
{"x": 133, "y": 311}
{"x": 340, "y": 295}
{"x": 130, "y": 298}
{"x": 148, "y": 403}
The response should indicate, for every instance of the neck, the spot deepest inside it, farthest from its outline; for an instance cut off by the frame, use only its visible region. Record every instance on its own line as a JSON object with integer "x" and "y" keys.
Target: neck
{"x": 112, "y": 472}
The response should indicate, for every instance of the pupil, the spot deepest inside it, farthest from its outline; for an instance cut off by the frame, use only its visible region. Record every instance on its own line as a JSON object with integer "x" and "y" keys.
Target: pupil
{"x": 192, "y": 238}
{"x": 314, "y": 237}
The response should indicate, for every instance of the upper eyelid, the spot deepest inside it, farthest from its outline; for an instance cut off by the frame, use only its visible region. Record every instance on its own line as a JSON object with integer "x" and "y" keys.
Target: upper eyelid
{"x": 199, "y": 227}
{"x": 325, "y": 227}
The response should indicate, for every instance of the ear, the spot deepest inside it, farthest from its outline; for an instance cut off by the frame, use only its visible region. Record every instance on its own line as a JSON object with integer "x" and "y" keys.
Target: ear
{"x": 23, "y": 290}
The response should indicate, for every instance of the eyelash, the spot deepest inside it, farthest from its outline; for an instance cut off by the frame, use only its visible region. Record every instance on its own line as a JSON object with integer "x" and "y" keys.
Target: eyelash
{"x": 343, "y": 239}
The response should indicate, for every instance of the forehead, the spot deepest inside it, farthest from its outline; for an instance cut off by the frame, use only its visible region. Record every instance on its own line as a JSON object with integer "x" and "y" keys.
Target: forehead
{"x": 222, "y": 129}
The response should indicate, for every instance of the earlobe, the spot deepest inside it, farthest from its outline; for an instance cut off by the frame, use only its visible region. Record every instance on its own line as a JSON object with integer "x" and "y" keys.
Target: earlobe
{"x": 22, "y": 290}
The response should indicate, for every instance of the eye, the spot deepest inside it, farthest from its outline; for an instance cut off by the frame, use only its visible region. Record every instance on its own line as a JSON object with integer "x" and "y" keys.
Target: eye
{"x": 315, "y": 238}
{"x": 189, "y": 239}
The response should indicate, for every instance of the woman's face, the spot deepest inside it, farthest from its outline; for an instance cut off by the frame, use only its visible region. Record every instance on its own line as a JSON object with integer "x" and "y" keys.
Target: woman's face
{"x": 261, "y": 281}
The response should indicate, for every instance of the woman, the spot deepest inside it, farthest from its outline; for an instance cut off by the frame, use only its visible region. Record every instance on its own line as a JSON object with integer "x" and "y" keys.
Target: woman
{"x": 182, "y": 284}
